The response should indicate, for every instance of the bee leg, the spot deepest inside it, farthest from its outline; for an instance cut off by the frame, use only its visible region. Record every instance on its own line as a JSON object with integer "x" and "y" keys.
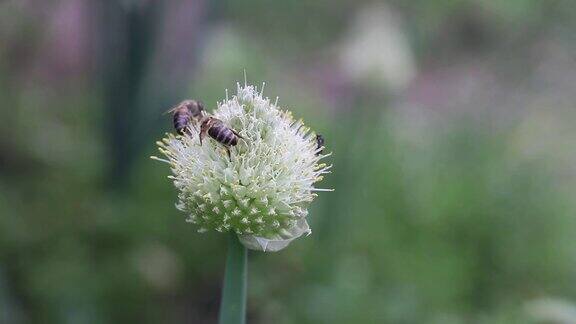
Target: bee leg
{"x": 188, "y": 130}
{"x": 201, "y": 135}
{"x": 229, "y": 154}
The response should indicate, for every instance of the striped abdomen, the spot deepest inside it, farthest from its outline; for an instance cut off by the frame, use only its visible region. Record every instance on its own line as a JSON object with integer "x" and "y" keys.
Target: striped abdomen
{"x": 223, "y": 134}
{"x": 181, "y": 121}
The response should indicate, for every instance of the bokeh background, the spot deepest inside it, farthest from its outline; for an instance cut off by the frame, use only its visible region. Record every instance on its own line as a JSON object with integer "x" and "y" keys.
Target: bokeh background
{"x": 452, "y": 124}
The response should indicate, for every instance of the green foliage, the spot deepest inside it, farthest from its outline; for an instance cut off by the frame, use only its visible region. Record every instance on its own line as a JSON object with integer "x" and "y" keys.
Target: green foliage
{"x": 449, "y": 222}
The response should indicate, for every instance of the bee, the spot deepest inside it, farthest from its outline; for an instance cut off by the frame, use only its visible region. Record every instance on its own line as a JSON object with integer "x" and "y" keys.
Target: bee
{"x": 223, "y": 134}
{"x": 319, "y": 144}
{"x": 186, "y": 113}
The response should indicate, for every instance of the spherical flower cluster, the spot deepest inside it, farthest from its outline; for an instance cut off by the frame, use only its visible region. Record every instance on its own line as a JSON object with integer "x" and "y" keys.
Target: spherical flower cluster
{"x": 263, "y": 191}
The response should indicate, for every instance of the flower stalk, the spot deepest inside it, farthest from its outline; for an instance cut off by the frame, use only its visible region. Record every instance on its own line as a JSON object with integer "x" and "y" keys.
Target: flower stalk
{"x": 233, "y": 301}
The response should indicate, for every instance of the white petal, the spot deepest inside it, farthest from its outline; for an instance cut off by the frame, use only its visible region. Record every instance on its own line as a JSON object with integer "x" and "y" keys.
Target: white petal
{"x": 278, "y": 243}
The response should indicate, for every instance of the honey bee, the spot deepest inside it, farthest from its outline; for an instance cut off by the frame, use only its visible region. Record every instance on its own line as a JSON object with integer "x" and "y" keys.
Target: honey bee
{"x": 186, "y": 113}
{"x": 223, "y": 134}
{"x": 319, "y": 144}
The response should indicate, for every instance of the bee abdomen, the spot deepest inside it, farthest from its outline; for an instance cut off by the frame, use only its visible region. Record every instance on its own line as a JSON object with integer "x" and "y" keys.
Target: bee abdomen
{"x": 223, "y": 135}
{"x": 181, "y": 121}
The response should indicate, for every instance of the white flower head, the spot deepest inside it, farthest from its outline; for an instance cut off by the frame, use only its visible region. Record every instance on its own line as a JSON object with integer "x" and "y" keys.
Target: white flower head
{"x": 263, "y": 191}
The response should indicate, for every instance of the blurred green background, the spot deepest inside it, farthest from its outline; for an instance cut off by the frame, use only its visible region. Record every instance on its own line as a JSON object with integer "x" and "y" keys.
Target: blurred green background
{"x": 452, "y": 128}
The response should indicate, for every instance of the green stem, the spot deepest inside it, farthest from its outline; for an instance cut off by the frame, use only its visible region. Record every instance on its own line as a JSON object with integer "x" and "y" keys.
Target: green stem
{"x": 233, "y": 302}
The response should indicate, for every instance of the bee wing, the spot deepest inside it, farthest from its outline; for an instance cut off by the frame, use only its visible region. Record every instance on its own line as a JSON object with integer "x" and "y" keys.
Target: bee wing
{"x": 171, "y": 110}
